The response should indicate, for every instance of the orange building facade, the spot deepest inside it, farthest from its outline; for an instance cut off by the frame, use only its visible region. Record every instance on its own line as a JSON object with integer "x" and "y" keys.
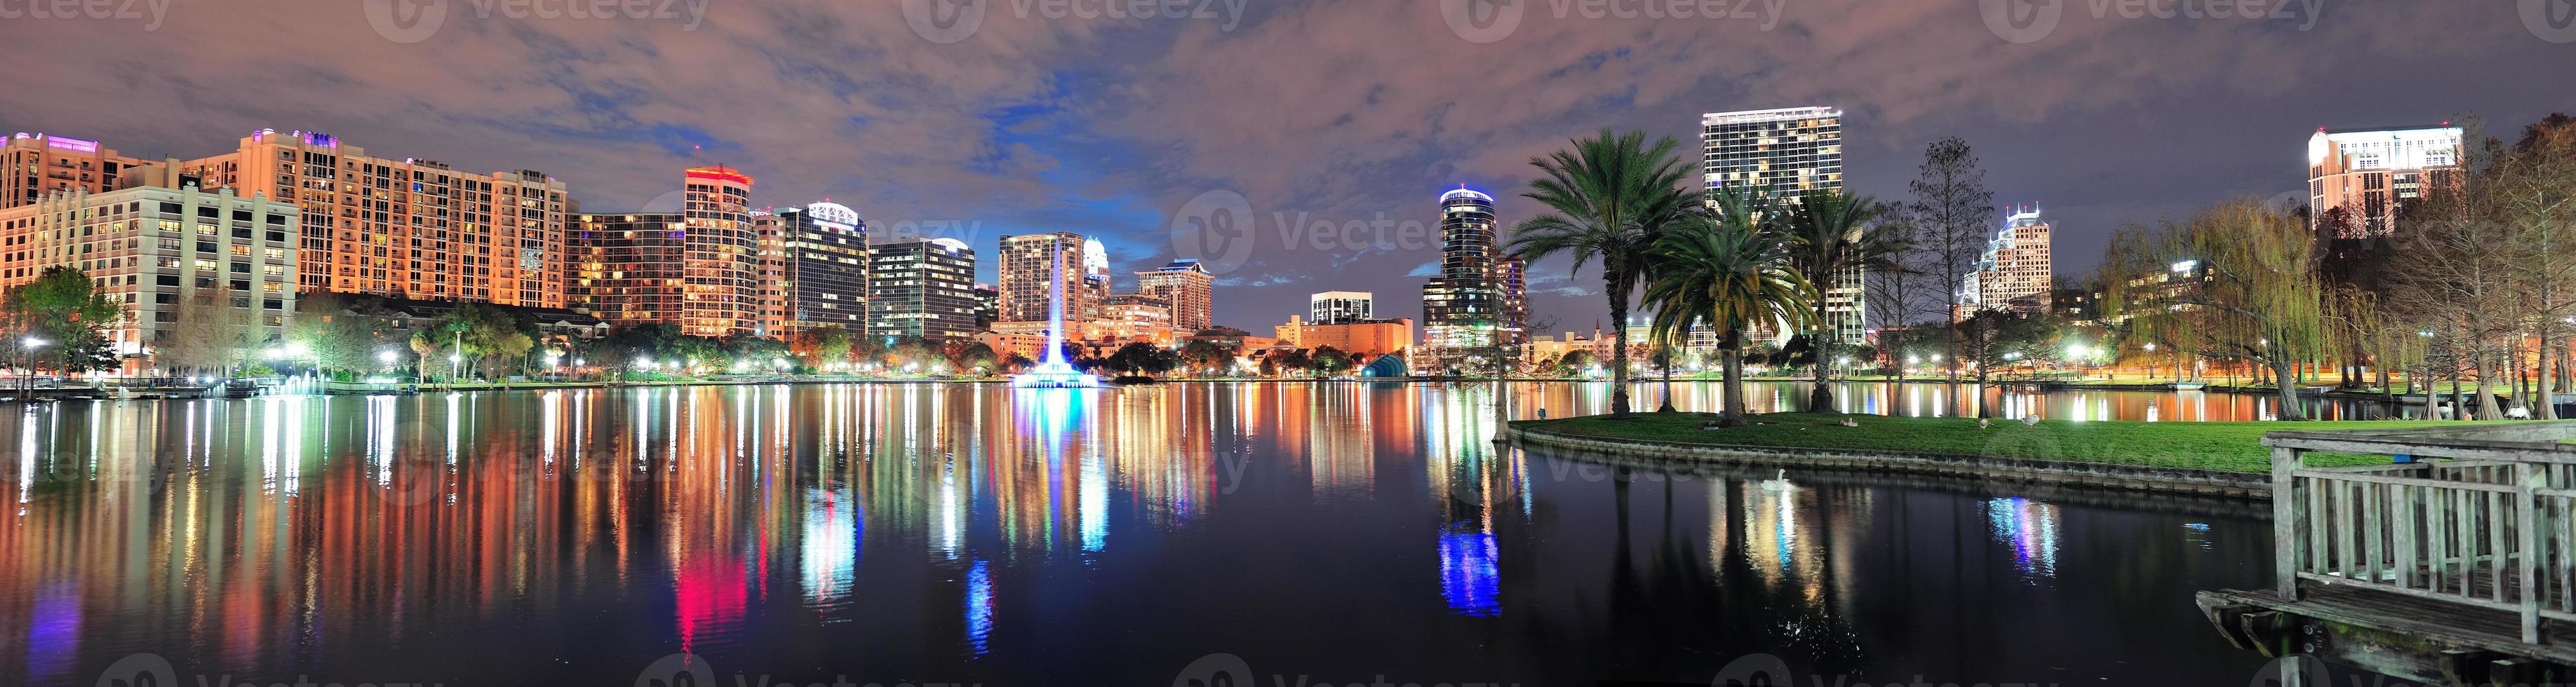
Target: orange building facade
{"x": 412, "y": 228}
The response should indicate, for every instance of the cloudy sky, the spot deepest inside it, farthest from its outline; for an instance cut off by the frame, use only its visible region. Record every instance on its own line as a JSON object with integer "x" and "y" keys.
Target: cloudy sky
{"x": 1269, "y": 118}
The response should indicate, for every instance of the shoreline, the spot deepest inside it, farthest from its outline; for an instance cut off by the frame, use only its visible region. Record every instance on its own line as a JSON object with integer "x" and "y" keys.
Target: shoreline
{"x": 1977, "y": 468}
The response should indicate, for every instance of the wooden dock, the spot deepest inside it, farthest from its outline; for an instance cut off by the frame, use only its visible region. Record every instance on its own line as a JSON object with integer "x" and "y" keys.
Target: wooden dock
{"x": 2455, "y": 566}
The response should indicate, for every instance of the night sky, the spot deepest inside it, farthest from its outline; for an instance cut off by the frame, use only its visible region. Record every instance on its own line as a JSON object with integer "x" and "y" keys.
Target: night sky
{"x": 1050, "y": 115}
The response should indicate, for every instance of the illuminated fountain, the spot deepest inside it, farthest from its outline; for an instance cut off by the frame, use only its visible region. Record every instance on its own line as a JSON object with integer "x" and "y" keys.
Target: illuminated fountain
{"x": 1054, "y": 372}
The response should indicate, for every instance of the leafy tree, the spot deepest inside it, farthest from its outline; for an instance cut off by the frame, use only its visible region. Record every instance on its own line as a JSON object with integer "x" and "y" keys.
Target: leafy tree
{"x": 1285, "y": 360}
{"x": 968, "y": 355}
{"x": 2242, "y": 287}
{"x": 1730, "y": 273}
{"x": 1608, "y": 199}
{"x": 821, "y": 346}
{"x": 337, "y": 338}
{"x": 1206, "y": 356}
{"x": 64, "y": 308}
{"x": 1327, "y": 361}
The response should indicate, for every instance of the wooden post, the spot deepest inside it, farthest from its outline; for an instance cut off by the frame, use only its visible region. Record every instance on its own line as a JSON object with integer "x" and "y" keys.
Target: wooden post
{"x": 2286, "y": 523}
{"x": 2528, "y": 477}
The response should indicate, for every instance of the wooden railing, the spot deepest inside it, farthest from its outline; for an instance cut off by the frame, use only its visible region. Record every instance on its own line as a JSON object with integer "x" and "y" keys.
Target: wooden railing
{"x": 2480, "y": 515}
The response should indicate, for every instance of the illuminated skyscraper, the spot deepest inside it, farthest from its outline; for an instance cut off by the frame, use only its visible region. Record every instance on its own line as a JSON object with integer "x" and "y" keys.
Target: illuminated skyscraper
{"x": 922, "y": 289}
{"x": 698, "y": 269}
{"x": 1187, "y": 288}
{"x": 720, "y": 259}
{"x": 410, "y": 227}
{"x": 821, "y": 256}
{"x": 2014, "y": 272}
{"x": 626, "y": 267}
{"x": 1027, "y": 264}
{"x": 1462, "y": 305}
{"x": 1786, "y": 153}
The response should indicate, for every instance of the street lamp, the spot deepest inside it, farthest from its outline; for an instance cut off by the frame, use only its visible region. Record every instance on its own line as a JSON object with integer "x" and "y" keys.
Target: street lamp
{"x": 26, "y": 361}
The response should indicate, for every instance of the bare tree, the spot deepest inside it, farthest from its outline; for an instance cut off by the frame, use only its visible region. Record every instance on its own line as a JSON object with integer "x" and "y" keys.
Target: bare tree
{"x": 1953, "y": 207}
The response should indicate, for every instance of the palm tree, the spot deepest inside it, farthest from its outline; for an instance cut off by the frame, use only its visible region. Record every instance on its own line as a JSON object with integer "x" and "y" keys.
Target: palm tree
{"x": 1829, "y": 236}
{"x": 1609, "y": 198}
{"x": 1730, "y": 272}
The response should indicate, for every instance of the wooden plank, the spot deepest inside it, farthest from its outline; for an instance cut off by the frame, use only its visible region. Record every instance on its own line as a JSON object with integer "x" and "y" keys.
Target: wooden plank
{"x": 2285, "y": 522}
{"x": 2500, "y": 488}
{"x": 2371, "y": 499}
{"x": 2401, "y": 509}
{"x": 2527, "y": 565}
{"x": 2496, "y": 573}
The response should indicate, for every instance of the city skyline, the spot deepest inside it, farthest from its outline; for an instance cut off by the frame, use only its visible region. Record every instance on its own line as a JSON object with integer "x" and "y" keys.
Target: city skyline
{"x": 978, "y": 146}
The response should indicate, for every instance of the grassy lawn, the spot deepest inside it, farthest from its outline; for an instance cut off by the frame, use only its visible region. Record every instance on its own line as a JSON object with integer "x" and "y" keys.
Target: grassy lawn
{"x": 2225, "y": 446}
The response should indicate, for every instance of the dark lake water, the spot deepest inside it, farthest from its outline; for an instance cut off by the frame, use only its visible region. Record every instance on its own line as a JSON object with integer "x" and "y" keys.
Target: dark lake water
{"x": 1334, "y": 534}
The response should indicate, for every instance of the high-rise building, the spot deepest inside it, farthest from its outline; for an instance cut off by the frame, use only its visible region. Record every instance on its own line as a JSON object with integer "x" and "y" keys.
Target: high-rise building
{"x": 1187, "y": 286}
{"x": 821, "y": 258}
{"x": 626, "y": 267}
{"x": 1462, "y": 306}
{"x": 1336, "y": 307}
{"x": 32, "y": 166}
{"x": 209, "y": 267}
{"x": 988, "y": 305}
{"x": 720, "y": 256}
{"x": 1511, "y": 275}
{"x": 1138, "y": 316}
{"x": 2362, "y": 178}
{"x": 1787, "y": 153}
{"x": 412, "y": 228}
{"x": 922, "y": 289}
{"x": 2014, "y": 272}
{"x": 1028, "y": 263}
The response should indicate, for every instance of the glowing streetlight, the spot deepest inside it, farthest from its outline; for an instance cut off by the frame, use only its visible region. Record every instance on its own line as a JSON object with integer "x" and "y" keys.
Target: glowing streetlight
{"x": 385, "y": 356}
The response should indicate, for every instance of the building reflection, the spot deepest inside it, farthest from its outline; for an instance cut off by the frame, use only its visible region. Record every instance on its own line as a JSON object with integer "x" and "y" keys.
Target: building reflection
{"x": 295, "y": 522}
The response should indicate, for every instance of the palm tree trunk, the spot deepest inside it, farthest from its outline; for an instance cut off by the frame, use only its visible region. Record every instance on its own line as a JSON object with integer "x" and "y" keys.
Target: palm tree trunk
{"x": 1821, "y": 400}
{"x": 1666, "y": 357}
{"x": 1618, "y": 348}
{"x": 1732, "y": 349}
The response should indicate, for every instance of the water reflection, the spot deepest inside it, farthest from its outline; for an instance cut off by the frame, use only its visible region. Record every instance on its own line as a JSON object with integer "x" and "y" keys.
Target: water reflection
{"x": 969, "y": 534}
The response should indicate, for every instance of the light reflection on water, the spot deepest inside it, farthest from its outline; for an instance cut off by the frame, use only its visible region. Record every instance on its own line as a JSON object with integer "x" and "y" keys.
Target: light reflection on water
{"x": 986, "y": 534}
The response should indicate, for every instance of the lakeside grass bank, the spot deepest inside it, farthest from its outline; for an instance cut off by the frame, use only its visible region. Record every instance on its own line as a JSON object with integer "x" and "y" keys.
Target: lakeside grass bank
{"x": 2216, "y": 446}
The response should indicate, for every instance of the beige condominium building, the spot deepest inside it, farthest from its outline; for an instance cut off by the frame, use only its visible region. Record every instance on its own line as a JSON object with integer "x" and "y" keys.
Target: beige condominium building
{"x": 2014, "y": 272}
{"x": 207, "y": 271}
{"x": 408, "y": 227}
{"x": 33, "y": 165}
{"x": 2362, "y": 177}
{"x": 1028, "y": 263}
{"x": 1188, "y": 288}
